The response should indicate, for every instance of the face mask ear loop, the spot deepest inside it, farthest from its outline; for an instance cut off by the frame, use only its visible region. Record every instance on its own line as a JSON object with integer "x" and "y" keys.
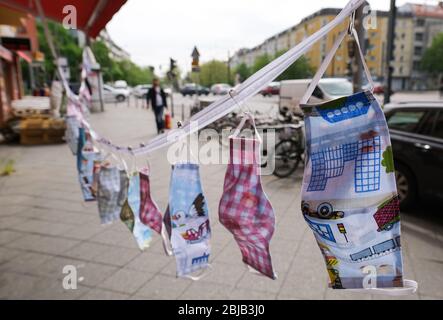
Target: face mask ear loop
{"x": 166, "y": 242}
{"x": 203, "y": 274}
{"x": 410, "y": 287}
{"x": 123, "y": 162}
{"x": 133, "y": 167}
{"x": 147, "y": 169}
{"x": 246, "y": 115}
{"x": 191, "y": 154}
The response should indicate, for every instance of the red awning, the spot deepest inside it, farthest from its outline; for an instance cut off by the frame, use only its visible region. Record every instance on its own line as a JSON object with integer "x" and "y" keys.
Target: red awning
{"x": 24, "y": 56}
{"x": 92, "y": 15}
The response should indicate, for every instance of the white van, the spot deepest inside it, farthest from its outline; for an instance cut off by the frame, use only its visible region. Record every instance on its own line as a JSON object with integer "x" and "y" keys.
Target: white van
{"x": 292, "y": 91}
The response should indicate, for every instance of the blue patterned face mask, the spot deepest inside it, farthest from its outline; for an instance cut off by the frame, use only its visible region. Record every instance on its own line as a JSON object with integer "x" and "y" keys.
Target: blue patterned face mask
{"x": 130, "y": 214}
{"x": 349, "y": 193}
{"x": 86, "y": 159}
{"x": 187, "y": 220}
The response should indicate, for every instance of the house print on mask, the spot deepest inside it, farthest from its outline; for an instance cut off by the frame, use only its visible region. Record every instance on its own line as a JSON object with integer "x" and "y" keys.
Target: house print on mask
{"x": 330, "y": 163}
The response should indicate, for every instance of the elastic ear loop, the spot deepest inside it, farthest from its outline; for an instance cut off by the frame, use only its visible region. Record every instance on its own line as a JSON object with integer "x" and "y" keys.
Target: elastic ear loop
{"x": 166, "y": 242}
{"x": 193, "y": 157}
{"x": 202, "y": 274}
{"x": 410, "y": 287}
{"x": 246, "y": 115}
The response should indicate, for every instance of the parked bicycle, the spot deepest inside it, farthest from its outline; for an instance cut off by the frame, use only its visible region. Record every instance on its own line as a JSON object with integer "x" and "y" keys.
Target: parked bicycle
{"x": 289, "y": 151}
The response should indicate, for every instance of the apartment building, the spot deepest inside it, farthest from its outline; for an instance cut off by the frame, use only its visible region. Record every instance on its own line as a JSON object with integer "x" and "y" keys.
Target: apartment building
{"x": 415, "y": 28}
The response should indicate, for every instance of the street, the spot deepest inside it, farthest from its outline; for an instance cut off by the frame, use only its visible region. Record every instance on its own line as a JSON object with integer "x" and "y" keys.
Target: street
{"x": 45, "y": 226}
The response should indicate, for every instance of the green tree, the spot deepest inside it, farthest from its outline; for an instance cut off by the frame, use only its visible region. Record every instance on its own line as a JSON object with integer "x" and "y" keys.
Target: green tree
{"x": 300, "y": 69}
{"x": 67, "y": 46}
{"x": 120, "y": 70}
{"x": 243, "y": 71}
{"x": 212, "y": 72}
{"x": 432, "y": 61}
{"x": 260, "y": 62}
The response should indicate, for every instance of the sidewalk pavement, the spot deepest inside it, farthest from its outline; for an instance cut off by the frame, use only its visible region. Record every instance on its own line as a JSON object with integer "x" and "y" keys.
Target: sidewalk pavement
{"x": 44, "y": 226}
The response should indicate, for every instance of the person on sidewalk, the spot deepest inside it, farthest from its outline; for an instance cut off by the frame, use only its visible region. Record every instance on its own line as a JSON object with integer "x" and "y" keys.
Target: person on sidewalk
{"x": 157, "y": 100}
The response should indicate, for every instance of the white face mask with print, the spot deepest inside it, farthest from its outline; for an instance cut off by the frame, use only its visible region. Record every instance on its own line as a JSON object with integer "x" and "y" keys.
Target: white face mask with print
{"x": 187, "y": 222}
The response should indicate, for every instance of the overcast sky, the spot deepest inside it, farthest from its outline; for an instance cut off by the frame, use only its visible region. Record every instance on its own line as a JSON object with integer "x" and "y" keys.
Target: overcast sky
{"x": 152, "y": 31}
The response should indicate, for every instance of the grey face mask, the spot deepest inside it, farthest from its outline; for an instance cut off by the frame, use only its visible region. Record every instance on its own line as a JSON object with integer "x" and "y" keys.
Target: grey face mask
{"x": 109, "y": 193}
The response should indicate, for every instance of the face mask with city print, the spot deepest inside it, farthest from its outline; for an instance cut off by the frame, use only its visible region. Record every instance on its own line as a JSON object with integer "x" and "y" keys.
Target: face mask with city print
{"x": 349, "y": 193}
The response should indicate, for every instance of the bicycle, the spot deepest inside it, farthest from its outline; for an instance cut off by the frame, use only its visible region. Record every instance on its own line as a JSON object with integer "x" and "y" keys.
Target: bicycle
{"x": 289, "y": 152}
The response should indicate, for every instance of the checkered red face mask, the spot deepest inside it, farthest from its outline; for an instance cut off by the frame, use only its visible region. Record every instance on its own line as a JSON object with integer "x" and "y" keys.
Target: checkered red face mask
{"x": 149, "y": 213}
{"x": 245, "y": 209}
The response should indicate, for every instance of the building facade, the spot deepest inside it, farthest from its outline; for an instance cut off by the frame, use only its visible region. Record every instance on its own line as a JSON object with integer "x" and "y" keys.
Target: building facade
{"x": 415, "y": 28}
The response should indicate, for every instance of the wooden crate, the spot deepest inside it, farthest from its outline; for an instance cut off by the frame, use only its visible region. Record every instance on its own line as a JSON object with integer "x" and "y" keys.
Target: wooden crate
{"x": 38, "y": 130}
{"x": 54, "y": 131}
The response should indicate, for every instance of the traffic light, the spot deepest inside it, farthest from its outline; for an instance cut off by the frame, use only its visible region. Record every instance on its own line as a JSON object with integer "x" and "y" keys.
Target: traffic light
{"x": 172, "y": 64}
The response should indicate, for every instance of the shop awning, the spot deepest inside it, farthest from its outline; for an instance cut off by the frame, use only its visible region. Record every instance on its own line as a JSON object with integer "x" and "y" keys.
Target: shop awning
{"x": 92, "y": 15}
{"x": 25, "y": 56}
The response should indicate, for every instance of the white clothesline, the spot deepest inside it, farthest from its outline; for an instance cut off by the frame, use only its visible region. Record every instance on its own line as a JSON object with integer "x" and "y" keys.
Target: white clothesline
{"x": 225, "y": 104}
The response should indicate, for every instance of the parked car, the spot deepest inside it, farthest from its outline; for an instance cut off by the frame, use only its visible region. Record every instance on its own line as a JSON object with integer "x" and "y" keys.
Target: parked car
{"x": 273, "y": 89}
{"x": 378, "y": 88}
{"x": 112, "y": 94}
{"x": 121, "y": 84}
{"x": 191, "y": 89}
{"x": 292, "y": 91}
{"x": 220, "y": 89}
{"x": 417, "y": 141}
{"x": 141, "y": 90}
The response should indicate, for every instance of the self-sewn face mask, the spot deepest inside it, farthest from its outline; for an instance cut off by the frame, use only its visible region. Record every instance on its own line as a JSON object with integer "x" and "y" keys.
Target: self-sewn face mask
{"x": 149, "y": 213}
{"x": 72, "y": 133}
{"x": 188, "y": 220}
{"x": 349, "y": 192}
{"x": 244, "y": 208}
{"x": 109, "y": 188}
{"x": 130, "y": 214}
{"x": 86, "y": 158}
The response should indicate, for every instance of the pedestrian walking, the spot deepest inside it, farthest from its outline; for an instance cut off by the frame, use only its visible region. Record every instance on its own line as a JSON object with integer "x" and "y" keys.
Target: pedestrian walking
{"x": 156, "y": 98}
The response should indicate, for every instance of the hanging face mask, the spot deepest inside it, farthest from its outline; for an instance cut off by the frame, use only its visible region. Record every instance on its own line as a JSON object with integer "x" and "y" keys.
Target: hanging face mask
{"x": 149, "y": 213}
{"x": 349, "y": 192}
{"x": 188, "y": 220}
{"x": 86, "y": 160}
{"x": 72, "y": 133}
{"x": 244, "y": 208}
{"x": 130, "y": 214}
{"x": 109, "y": 189}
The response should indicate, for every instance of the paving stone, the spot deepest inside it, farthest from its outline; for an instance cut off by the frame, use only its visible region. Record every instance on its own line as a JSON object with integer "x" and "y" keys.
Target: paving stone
{"x": 50, "y": 245}
{"x": 206, "y": 291}
{"x": 87, "y": 250}
{"x": 117, "y": 256}
{"x": 16, "y": 286}
{"x": 149, "y": 262}
{"x": 26, "y": 263}
{"x": 126, "y": 281}
{"x": 164, "y": 287}
{"x": 7, "y": 254}
{"x": 99, "y": 294}
{"x": 243, "y": 294}
{"x": 7, "y": 236}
